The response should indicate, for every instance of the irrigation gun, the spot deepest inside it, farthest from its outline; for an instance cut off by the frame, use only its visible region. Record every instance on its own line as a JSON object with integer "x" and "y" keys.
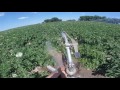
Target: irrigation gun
{"x": 68, "y": 67}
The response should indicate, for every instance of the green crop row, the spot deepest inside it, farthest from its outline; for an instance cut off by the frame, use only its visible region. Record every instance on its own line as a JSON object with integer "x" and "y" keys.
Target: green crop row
{"x": 99, "y": 45}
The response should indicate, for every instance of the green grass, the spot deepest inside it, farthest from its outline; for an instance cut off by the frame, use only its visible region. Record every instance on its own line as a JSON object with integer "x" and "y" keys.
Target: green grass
{"x": 99, "y": 45}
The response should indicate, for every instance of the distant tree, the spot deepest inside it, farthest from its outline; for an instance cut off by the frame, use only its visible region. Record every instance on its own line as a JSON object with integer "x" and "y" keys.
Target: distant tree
{"x": 114, "y": 20}
{"x": 71, "y": 20}
{"x": 110, "y": 20}
{"x": 47, "y": 20}
{"x": 54, "y": 19}
{"x": 90, "y": 18}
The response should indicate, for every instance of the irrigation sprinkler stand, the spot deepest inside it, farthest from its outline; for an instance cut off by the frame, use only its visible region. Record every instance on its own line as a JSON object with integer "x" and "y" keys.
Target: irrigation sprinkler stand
{"x": 70, "y": 69}
{"x": 65, "y": 68}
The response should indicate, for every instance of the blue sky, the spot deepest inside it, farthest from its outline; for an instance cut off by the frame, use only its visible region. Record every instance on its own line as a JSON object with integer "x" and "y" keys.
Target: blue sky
{"x": 10, "y": 20}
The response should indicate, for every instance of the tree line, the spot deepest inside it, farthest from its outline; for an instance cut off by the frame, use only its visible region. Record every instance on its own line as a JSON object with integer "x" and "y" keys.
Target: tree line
{"x": 54, "y": 19}
{"x": 99, "y": 19}
{"x": 87, "y": 18}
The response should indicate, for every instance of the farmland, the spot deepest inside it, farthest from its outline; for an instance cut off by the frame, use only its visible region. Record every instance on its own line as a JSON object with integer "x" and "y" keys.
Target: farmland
{"x": 99, "y": 46}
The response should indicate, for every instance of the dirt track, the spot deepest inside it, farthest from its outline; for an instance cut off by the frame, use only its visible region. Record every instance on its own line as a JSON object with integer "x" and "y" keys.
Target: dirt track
{"x": 84, "y": 73}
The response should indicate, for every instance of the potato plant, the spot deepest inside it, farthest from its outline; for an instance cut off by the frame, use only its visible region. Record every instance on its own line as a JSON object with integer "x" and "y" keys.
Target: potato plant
{"x": 99, "y": 45}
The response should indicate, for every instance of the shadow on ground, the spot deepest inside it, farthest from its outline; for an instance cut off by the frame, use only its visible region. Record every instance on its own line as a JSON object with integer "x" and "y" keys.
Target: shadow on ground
{"x": 101, "y": 70}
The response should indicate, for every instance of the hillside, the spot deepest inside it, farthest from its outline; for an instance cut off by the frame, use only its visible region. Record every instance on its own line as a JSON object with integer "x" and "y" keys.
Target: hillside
{"x": 99, "y": 45}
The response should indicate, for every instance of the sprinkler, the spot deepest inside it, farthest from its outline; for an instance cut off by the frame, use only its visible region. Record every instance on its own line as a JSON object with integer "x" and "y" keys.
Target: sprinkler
{"x": 70, "y": 69}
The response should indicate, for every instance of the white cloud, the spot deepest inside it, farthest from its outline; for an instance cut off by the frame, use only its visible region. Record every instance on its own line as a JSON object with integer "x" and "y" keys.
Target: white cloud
{"x": 2, "y": 13}
{"x": 21, "y": 18}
